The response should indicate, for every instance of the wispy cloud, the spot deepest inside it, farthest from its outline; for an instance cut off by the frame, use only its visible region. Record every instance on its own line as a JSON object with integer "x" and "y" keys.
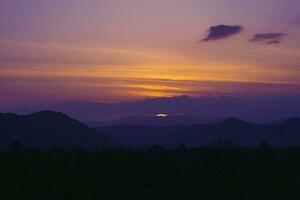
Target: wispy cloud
{"x": 273, "y": 42}
{"x": 16, "y": 52}
{"x": 268, "y": 38}
{"x": 222, "y": 32}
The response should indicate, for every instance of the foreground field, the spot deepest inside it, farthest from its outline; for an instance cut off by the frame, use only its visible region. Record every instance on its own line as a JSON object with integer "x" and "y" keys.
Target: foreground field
{"x": 221, "y": 173}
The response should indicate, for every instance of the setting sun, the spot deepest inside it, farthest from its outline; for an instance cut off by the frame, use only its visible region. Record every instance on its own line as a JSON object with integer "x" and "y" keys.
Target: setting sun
{"x": 163, "y": 115}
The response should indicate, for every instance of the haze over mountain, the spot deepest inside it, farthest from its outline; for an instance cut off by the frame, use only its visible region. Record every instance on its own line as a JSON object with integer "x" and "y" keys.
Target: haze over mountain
{"x": 48, "y": 129}
{"x": 153, "y": 120}
{"x": 257, "y": 109}
{"x": 232, "y": 130}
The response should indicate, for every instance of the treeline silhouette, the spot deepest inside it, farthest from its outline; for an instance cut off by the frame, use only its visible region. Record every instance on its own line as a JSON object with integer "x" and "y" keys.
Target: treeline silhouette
{"x": 224, "y": 172}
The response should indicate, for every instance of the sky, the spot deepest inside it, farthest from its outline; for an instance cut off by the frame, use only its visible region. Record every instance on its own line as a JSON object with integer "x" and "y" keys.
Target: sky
{"x": 127, "y": 50}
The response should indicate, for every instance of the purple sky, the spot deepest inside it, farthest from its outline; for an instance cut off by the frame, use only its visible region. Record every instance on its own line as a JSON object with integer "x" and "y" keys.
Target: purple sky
{"x": 117, "y": 50}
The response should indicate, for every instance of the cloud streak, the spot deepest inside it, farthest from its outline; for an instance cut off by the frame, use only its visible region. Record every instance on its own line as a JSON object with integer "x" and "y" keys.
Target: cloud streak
{"x": 222, "y": 32}
{"x": 268, "y": 38}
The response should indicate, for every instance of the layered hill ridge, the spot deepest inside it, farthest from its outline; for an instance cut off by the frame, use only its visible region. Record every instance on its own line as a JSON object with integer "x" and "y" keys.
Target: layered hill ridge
{"x": 47, "y": 129}
{"x": 239, "y": 132}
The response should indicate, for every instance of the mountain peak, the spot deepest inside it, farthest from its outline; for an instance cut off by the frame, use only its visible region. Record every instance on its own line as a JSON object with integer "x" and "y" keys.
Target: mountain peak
{"x": 47, "y": 129}
{"x": 50, "y": 116}
{"x": 233, "y": 120}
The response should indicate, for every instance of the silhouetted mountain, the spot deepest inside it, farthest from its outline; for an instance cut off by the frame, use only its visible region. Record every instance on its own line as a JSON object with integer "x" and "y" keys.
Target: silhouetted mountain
{"x": 233, "y": 121}
{"x": 238, "y": 132}
{"x": 48, "y": 129}
{"x": 235, "y": 125}
{"x": 295, "y": 121}
{"x": 286, "y": 133}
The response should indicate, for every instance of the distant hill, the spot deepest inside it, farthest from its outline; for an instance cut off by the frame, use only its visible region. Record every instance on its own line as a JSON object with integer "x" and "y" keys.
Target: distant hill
{"x": 48, "y": 129}
{"x": 262, "y": 109}
{"x": 152, "y": 120}
{"x": 238, "y": 132}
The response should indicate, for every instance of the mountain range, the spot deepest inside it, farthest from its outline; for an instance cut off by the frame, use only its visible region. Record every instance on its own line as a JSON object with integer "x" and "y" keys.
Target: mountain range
{"x": 233, "y": 130}
{"x": 257, "y": 109}
{"x": 48, "y": 129}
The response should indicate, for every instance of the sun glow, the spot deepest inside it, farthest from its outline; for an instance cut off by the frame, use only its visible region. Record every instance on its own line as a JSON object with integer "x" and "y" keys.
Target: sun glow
{"x": 163, "y": 115}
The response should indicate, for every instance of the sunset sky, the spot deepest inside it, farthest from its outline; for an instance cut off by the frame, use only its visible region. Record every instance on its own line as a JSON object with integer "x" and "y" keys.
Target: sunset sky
{"x": 120, "y": 50}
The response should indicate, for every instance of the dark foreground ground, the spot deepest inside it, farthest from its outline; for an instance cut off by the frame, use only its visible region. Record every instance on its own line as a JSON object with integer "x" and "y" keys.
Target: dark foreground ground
{"x": 155, "y": 174}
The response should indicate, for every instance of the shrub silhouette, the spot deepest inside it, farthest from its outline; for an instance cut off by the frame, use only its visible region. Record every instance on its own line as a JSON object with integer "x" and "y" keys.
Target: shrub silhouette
{"x": 154, "y": 174}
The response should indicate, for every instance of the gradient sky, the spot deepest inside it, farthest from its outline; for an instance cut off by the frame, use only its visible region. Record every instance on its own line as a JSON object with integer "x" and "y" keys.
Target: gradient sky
{"x": 119, "y": 50}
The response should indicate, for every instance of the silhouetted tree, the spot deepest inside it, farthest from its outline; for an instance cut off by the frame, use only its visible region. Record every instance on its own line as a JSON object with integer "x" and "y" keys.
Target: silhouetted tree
{"x": 16, "y": 147}
{"x": 264, "y": 146}
{"x": 156, "y": 148}
{"x": 182, "y": 147}
{"x": 223, "y": 144}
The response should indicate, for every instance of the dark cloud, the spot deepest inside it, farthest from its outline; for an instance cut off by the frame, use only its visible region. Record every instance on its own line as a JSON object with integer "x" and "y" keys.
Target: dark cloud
{"x": 269, "y": 38}
{"x": 222, "y": 32}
